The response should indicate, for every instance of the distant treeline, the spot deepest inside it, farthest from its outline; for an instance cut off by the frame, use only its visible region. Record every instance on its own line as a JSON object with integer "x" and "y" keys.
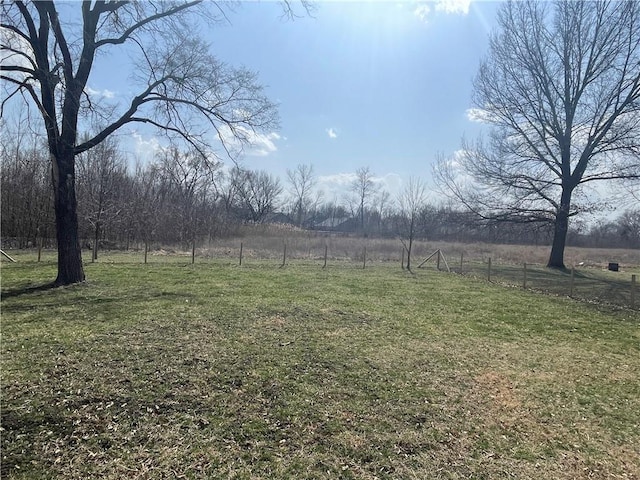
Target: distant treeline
{"x": 181, "y": 197}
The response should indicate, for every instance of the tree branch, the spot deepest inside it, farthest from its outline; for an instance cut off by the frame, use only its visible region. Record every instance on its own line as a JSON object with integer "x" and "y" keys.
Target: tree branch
{"x": 129, "y": 31}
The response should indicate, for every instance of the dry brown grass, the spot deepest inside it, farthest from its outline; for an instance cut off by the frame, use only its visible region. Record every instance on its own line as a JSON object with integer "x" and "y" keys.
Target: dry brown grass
{"x": 267, "y": 242}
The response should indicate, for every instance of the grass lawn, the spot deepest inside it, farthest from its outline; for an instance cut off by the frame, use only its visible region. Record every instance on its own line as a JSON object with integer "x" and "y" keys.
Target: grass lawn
{"x": 172, "y": 370}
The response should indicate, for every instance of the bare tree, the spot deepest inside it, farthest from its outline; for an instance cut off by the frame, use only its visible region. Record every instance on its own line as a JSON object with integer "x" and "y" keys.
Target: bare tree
{"x": 149, "y": 201}
{"x": 411, "y": 201}
{"x": 188, "y": 180}
{"x": 25, "y": 197}
{"x": 257, "y": 193}
{"x": 302, "y": 180}
{"x": 364, "y": 188}
{"x": 629, "y": 228}
{"x": 382, "y": 206}
{"x": 227, "y": 196}
{"x": 100, "y": 172}
{"x": 561, "y": 87}
{"x": 182, "y": 90}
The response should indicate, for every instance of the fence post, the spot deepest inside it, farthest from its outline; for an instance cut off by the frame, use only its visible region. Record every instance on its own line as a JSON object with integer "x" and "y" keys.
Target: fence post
{"x": 633, "y": 291}
{"x": 364, "y": 258}
{"x": 573, "y": 279}
{"x": 146, "y": 250}
{"x": 461, "y": 260}
{"x": 284, "y": 256}
{"x": 193, "y": 251}
{"x": 325, "y": 256}
{"x": 524, "y": 281}
{"x": 489, "y": 270}
{"x": 241, "y": 253}
{"x": 438, "y": 260}
{"x": 402, "y": 259}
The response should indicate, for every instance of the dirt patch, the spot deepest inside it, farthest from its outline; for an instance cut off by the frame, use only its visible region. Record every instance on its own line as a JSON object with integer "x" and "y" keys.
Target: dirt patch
{"x": 499, "y": 390}
{"x": 272, "y": 321}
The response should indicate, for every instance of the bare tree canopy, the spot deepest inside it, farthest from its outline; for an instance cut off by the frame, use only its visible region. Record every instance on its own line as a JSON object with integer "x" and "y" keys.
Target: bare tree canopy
{"x": 258, "y": 193}
{"x": 301, "y": 181}
{"x": 411, "y": 201}
{"x": 49, "y": 50}
{"x": 363, "y": 188}
{"x": 561, "y": 89}
{"x": 100, "y": 173}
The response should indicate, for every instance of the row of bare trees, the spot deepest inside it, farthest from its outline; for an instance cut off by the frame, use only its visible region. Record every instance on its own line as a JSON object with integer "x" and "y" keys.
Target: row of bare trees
{"x": 181, "y": 197}
{"x": 175, "y": 199}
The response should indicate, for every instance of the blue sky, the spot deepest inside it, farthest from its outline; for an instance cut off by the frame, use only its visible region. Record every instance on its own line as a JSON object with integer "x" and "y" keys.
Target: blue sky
{"x": 380, "y": 84}
{"x": 384, "y": 85}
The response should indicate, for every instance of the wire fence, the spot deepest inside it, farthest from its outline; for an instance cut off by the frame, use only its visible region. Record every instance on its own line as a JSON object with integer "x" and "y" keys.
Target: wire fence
{"x": 593, "y": 283}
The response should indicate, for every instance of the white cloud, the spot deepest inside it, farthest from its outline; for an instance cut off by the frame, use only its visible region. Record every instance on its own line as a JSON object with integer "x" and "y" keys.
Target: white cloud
{"x": 139, "y": 147}
{"x": 453, "y": 6}
{"x": 391, "y": 182}
{"x": 338, "y": 186}
{"x": 478, "y": 115}
{"x": 454, "y": 165}
{"x": 424, "y": 10}
{"x": 332, "y": 132}
{"x": 457, "y": 157}
{"x": 145, "y": 145}
{"x": 100, "y": 93}
{"x": 249, "y": 142}
{"x": 340, "y": 179}
{"x": 335, "y": 187}
{"x": 262, "y": 144}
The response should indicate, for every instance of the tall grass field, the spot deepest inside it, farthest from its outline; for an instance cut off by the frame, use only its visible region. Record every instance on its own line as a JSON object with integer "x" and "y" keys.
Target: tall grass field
{"x": 214, "y": 370}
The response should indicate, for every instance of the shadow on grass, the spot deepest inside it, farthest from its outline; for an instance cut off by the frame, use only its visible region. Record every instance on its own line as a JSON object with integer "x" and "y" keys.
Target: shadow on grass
{"x": 19, "y": 455}
{"x": 17, "y": 292}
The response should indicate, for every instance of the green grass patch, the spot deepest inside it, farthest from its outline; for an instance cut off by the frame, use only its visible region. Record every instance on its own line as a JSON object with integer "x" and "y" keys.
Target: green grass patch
{"x": 218, "y": 371}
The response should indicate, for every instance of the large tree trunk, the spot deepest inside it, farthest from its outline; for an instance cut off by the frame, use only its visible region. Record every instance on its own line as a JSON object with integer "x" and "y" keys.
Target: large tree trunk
{"x": 69, "y": 254}
{"x": 561, "y": 227}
